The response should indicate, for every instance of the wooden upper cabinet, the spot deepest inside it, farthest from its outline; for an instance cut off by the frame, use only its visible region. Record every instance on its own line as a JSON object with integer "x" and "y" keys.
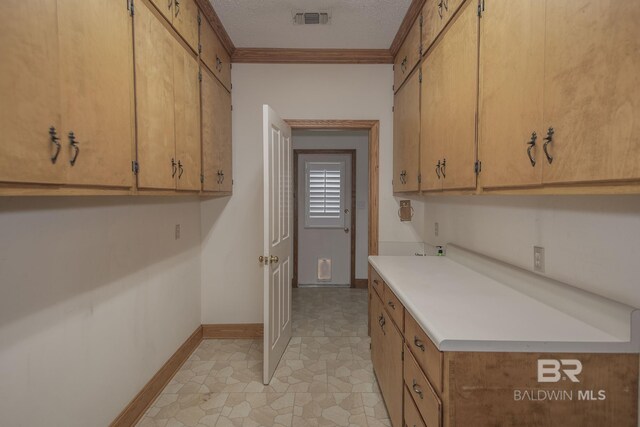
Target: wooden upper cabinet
{"x": 433, "y": 128}
{"x": 216, "y": 135}
{"x": 96, "y": 76}
{"x": 165, "y": 7}
{"x": 185, "y": 21}
{"x": 406, "y": 136}
{"x": 450, "y": 97}
{"x": 408, "y": 56}
{"x": 30, "y": 101}
{"x": 187, "y": 118}
{"x": 511, "y": 101}
{"x": 214, "y": 55}
{"x": 154, "y": 57}
{"x": 436, "y": 14}
{"x": 592, "y": 91}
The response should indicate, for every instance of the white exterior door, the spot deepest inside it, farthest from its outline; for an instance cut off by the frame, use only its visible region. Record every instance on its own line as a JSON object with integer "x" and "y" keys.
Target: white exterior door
{"x": 324, "y": 219}
{"x": 278, "y": 231}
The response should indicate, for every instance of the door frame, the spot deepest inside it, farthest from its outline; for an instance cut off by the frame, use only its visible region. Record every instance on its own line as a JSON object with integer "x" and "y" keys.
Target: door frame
{"x": 373, "y": 126}
{"x": 352, "y": 240}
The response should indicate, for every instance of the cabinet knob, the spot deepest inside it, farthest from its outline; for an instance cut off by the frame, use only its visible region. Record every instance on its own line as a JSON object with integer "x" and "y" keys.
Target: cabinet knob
{"x": 417, "y": 390}
{"x": 174, "y": 168}
{"x": 438, "y": 169}
{"x": 53, "y": 136}
{"x": 532, "y": 144}
{"x": 418, "y": 343}
{"x": 548, "y": 140}
{"x": 391, "y": 304}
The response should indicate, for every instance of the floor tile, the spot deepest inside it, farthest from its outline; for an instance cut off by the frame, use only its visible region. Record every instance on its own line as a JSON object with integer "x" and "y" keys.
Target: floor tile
{"x": 190, "y": 410}
{"x": 350, "y": 376}
{"x": 257, "y": 410}
{"x": 325, "y": 348}
{"x": 329, "y": 409}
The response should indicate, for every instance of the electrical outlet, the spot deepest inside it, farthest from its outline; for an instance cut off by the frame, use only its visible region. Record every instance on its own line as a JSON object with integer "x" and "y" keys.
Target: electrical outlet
{"x": 436, "y": 228}
{"x": 177, "y": 231}
{"x": 538, "y": 259}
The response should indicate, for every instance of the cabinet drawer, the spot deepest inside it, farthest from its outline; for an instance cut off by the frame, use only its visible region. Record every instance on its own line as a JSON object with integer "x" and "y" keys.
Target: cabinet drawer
{"x": 408, "y": 55}
{"x": 423, "y": 395}
{"x": 411, "y": 414}
{"x": 394, "y": 307}
{"x": 427, "y": 355}
{"x": 377, "y": 283}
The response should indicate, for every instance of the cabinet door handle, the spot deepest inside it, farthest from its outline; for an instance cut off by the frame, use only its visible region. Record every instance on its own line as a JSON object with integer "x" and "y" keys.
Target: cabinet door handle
{"x": 548, "y": 140}
{"x": 177, "y": 7}
{"x": 417, "y": 390}
{"x": 174, "y": 168}
{"x": 418, "y": 343}
{"x": 53, "y": 136}
{"x": 391, "y": 304}
{"x": 181, "y": 169}
{"x": 74, "y": 145}
{"x": 169, "y": 4}
{"x": 221, "y": 177}
{"x": 438, "y": 169}
{"x": 532, "y": 144}
{"x": 403, "y": 65}
{"x": 440, "y": 5}
{"x": 381, "y": 322}
{"x": 443, "y": 168}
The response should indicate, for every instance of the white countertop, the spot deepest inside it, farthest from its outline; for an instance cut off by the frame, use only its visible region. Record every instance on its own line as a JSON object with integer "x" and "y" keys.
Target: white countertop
{"x": 463, "y": 310}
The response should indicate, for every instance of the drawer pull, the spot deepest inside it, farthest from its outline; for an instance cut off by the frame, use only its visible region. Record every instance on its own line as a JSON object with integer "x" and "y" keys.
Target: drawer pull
{"x": 418, "y": 343}
{"x": 391, "y": 304}
{"x": 417, "y": 390}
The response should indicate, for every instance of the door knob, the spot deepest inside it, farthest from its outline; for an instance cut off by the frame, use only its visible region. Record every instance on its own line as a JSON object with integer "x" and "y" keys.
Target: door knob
{"x": 346, "y": 229}
{"x": 263, "y": 260}
{"x": 273, "y": 259}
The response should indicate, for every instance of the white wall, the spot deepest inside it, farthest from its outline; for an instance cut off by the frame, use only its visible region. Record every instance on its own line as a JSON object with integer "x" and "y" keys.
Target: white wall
{"x": 592, "y": 242}
{"x": 95, "y": 296}
{"x": 232, "y": 239}
{"x": 354, "y": 140}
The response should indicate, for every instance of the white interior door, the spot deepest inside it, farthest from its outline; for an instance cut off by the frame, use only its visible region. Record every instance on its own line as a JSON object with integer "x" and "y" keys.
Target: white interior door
{"x": 278, "y": 229}
{"x": 324, "y": 219}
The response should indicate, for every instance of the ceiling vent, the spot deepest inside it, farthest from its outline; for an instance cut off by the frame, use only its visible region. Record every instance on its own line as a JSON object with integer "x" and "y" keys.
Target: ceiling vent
{"x": 311, "y": 18}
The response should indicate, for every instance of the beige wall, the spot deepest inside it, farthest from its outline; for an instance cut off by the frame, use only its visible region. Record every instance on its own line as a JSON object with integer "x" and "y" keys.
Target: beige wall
{"x": 232, "y": 228}
{"x": 95, "y": 295}
{"x": 592, "y": 242}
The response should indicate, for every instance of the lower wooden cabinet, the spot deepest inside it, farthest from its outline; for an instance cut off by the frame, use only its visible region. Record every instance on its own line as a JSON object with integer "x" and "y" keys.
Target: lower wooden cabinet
{"x": 422, "y": 386}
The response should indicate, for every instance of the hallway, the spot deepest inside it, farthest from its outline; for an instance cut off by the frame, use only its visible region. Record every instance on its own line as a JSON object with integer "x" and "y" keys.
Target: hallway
{"x": 325, "y": 377}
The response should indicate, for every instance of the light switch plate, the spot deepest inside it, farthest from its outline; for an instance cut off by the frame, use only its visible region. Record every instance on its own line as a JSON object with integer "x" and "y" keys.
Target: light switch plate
{"x": 177, "y": 231}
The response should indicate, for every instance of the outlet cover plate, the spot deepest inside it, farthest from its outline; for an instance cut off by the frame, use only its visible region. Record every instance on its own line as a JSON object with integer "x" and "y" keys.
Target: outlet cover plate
{"x": 538, "y": 259}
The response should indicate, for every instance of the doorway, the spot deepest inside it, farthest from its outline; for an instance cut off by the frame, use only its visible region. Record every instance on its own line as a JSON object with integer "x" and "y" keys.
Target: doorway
{"x": 325, "y": 213}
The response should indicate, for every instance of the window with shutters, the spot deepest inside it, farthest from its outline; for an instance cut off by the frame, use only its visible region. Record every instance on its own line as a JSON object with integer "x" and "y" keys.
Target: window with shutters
{"x": 325, "y": 193}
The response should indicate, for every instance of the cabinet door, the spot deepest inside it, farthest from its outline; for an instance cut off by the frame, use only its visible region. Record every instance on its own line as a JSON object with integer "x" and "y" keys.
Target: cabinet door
{"x": 592, "y": 91}
{"x": 216, "y": 134}
{"x": 187, "y": 118}
{"x": 458, "y": 50}
{"x": 214, "y": 55}
{"x": 377, "y": 339}
{"x": 432, "y": 123}
{"x": 511, "y": 84}
{"x": 432, "y": 22}
{"x": 29, "y": 84}
{"x": 154, "y": 101}
{"x": 185, "y": 20}
{"x": 392, "y": 390}
{"x": 96, "y": 75}
{"x": 406, "y": 139}
{"x": 165, "y": 7}
{"x": 408, "y": 55}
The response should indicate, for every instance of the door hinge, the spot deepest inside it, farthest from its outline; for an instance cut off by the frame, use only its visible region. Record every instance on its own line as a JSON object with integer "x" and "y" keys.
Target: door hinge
{"x": 420, "y": 76}
{"x": 135, "y": 167}
{"x": 477, "y": 167}
{"x": 393, "y": 88}
{"x": 202, "y": 178}
{"x": 402, "y": 354}
{"x": 480, "y": 7}
{"x": 419, "y": 178}
{"x": 420, "y": 50}
{"x": 232, "y": 108}
{"x": 130, "y": 7}
{"x": 393, "y": 109}
{"x": 200, "y": 75}
{"x": 199, "y": 19}
{"x": 421, "y": 20}
{"x": 370, "y": 346}
{"x": 199, "y": 47}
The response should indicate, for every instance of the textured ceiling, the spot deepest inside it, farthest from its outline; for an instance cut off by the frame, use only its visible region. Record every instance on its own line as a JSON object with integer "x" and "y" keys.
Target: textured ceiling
{"x": 355, "y": 24}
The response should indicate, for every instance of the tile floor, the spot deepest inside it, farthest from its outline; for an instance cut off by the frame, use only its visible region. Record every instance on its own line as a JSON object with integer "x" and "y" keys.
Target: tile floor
{"x": 325, "y": 377}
